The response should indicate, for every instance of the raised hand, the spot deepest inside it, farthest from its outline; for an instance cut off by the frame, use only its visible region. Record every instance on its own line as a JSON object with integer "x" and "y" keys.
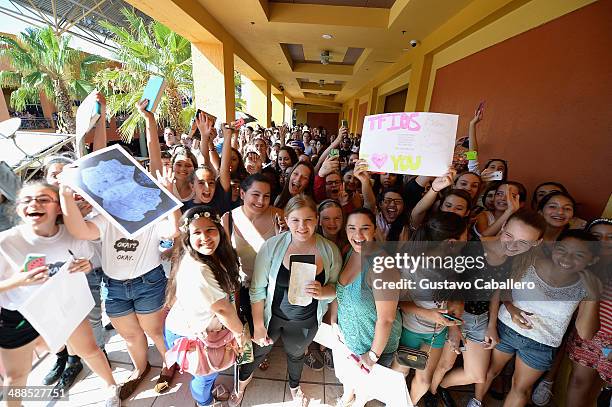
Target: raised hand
{"x": 444, "y": 181}
{"x": 205, "y": 124}
{"x": 166, "y": 178}
{"x": 142, "y": 109}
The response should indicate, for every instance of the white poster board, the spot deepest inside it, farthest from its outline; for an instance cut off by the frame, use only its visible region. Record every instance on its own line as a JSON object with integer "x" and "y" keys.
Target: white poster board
{"x": 414, "y": 143}
{"x": 115, "y": 184}
{"x": 58, "y": 307}
{"x": 381, "y": 383}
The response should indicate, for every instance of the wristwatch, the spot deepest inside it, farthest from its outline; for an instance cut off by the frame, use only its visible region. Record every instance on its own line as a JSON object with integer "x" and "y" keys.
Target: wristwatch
{"x": 373, "y": 356}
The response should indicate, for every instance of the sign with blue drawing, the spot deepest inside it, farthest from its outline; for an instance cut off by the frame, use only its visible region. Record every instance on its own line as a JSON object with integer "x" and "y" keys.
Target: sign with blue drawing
{"x": 121, "y": 189}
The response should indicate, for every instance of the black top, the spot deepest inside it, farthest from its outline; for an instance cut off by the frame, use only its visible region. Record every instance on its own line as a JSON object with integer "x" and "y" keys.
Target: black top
{"x": 222, "y": 201}
{"x": 282, "y": 308}
{"x": 499, "y": 273}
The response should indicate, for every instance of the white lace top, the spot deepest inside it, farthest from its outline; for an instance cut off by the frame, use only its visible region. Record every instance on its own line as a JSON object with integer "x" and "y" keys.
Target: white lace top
{"x": 552, "y": 308}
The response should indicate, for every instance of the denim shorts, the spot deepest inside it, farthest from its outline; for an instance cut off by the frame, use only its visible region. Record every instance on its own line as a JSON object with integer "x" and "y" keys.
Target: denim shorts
{"x": 142, "y": 295}
{"x": 414, "y": 340}
{"x": 536, "y": 355}
{"x": 475, "y": 326}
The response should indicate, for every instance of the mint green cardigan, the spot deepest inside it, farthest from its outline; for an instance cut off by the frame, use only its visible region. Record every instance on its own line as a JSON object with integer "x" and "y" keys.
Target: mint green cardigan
{"x": 268, "y": 261}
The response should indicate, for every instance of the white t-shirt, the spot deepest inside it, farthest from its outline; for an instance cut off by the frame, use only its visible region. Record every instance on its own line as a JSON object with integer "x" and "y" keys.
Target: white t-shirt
{"x": 125, "y": 258}
{"x": 18, "y": 242}
{"x": 196, "y": 290}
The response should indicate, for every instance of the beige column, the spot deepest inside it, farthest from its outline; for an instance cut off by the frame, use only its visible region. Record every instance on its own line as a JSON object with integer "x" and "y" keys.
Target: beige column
{"x": 257, "y": 94}
{"x": 213, "y": 79}
{"x": 278, "y": 106}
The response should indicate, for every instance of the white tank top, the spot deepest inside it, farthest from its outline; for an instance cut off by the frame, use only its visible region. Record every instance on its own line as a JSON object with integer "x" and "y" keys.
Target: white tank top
{"x": 247, "y": 241}
{"x": 551, "y": 314}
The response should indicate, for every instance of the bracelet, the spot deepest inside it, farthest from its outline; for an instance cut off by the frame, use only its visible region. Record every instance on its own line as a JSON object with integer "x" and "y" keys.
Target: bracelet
{"x": 433, "y": 189}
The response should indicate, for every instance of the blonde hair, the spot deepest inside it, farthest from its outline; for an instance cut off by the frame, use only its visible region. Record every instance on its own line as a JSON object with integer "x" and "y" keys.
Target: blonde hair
{"x": 298, "y": 202}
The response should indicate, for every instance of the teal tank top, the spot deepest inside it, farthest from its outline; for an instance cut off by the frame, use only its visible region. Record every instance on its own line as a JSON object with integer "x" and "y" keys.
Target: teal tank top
{"x": 357, "y": 315}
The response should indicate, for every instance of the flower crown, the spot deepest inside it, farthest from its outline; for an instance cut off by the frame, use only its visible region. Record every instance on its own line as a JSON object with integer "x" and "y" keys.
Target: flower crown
{"x": 185, "y": 226}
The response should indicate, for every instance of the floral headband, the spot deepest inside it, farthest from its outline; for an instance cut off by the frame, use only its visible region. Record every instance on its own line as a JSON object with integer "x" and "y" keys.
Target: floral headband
{"x": 185, "y": 226}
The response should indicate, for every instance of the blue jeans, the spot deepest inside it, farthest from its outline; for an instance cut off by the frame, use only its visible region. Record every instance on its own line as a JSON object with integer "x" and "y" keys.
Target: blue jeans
{"x": 201, "y": 386}
{"x": 142, "y": 295}
{"x": 536, "y": 355}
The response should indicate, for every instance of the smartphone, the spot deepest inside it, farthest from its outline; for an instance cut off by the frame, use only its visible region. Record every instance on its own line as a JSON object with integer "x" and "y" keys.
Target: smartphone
{"x": 480, "y": 106}
{"x": 334, "y": 152}
{"x": 33, "y": 260}
{"x": 494, "y": 176}
{"x": 344, "y": 123}
{"x": 273, "y": 124}
{"x": 453, "y": 318}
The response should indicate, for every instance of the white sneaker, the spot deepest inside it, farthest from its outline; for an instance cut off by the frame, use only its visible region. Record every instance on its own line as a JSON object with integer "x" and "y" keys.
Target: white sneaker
{"x": 542, "y": 393}
{"x": 299, "y": 398}
{"x": 113, "y": 399}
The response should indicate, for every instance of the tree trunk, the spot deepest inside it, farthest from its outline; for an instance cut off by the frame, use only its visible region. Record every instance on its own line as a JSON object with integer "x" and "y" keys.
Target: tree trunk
{"x": 175, "y": 107}
{"x": 66, "y": 122}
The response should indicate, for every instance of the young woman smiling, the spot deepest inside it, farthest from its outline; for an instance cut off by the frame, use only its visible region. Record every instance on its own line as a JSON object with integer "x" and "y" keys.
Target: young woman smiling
{"x": 300, "y": 180}
{"x": 274, "y": 316}
{"x": 39, "y": 209}
{"x": 371, "y": 327}
{"x": 509, "y": 197}
{"x": 557, "y": 208}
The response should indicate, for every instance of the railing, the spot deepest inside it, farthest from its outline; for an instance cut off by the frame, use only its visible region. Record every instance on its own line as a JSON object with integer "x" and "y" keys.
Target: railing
{"x": 36, "y": 123}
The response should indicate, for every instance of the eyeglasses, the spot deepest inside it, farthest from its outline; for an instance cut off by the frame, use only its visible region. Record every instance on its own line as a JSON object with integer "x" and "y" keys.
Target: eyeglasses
{"x": 332, "y": 183}
{"x": 43, "y": 200}
{"x": 389, "y": 201}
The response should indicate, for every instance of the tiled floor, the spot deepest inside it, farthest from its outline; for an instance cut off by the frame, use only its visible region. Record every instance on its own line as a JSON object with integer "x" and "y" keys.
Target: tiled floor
{"x": 269, "y": 388}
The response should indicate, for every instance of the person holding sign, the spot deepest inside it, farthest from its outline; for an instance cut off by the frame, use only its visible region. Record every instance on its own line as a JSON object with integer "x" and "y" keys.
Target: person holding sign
{"x": 273, "y": 296}
{"x": 38, "y": 207}
{"x": 134, "y": 281}
{"x": 391, "y": 217}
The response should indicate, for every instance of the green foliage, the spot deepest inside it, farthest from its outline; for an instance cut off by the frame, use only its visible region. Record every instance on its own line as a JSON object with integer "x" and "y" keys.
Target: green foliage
{"x": 43, "y": 62}
{"x": 146, "y": 49}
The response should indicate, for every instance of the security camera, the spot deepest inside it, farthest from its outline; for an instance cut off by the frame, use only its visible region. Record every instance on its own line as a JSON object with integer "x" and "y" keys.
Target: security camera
{"x": 282, "y": 88}
{"x": 414, "y": 43}
{"x": 325, "y": 57}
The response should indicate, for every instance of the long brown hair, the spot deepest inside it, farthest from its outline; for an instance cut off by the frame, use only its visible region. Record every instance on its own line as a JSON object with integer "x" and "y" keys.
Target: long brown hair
{"x": 226, "y": 273}
{"x": 285, "y": 195}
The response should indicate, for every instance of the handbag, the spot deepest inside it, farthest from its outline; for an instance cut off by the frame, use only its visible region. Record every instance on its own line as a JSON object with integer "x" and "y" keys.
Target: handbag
{"x": 415, "y": 358}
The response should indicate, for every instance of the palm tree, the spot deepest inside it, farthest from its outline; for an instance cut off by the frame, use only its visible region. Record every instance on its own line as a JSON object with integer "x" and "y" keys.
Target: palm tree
{"x": 43, "y": 62}
{"x": 146, "y": 49}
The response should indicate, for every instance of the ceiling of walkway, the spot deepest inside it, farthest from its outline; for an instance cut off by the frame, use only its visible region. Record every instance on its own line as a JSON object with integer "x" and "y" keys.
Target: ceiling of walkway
{"x": 286, "y": 37}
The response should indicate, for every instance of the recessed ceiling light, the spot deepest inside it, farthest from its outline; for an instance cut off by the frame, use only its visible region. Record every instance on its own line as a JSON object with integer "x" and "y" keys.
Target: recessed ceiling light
{"x": 327, "y": 36}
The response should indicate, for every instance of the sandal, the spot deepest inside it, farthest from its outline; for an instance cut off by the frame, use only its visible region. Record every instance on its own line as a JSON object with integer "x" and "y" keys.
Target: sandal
{"x": 236, "y": 397}
{"x": 128, "y": 388}
{"x": 164, "y": 380}
{"x": 264, "y": 365}
{"x": 220, "y": 393}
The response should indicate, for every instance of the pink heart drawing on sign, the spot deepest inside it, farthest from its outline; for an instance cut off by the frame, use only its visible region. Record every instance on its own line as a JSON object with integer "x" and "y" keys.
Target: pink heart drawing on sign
{"x": 379, "y": 159}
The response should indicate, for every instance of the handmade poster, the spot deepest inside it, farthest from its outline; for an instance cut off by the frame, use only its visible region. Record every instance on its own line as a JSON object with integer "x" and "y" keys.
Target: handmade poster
{"x": 414, "y": 143}
{"x": 381, "y": 383}
{"x": 59, "y": 306}
{"x": 115, "y": 184}
{"x": 303, "y": 271}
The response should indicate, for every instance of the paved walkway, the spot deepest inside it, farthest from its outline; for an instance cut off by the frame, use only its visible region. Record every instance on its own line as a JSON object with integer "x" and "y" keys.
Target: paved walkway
{"x": 269, "y": 388}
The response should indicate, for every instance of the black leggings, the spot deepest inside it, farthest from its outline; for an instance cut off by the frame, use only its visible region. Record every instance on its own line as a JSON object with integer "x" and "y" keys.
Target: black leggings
{"x": 296, "y": 336}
